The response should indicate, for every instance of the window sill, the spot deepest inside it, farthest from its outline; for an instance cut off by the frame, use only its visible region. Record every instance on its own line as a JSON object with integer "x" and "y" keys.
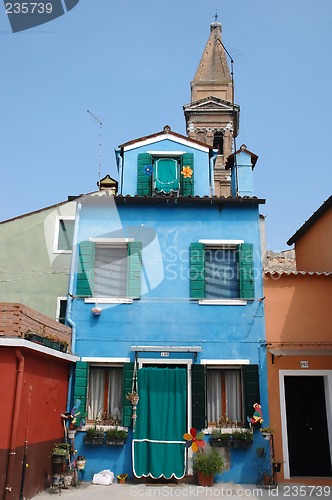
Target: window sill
{"x": 222, "y": 302}
{"x": 108, "y": 300}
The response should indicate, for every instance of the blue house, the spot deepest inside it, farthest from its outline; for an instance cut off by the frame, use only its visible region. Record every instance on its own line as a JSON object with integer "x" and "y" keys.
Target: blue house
{"x": 166, "y": 302}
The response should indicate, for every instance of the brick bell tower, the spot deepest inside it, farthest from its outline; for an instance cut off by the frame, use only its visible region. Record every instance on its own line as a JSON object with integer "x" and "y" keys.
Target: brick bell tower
{"x": 212, "y": 117}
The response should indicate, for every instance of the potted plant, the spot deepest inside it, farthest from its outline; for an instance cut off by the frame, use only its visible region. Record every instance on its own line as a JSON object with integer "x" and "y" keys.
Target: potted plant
{"x": 94, "y": 435}
{"x": 116, "y": 436}
{"x": 206, "y": 465}
{"x": 60, "y": 453}
{"x": 266, "y": 432}
{"x": 242, "y": 439}
{"x": 122, "y": 478}
{"x": 219, "y": 438}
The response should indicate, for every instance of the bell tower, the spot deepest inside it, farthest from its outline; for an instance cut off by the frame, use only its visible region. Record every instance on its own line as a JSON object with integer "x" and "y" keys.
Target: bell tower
{"x": 212, "y": 117}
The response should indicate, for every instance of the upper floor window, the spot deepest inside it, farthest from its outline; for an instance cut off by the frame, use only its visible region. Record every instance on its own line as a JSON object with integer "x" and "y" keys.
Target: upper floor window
{"x": 61, "y": 309}
{"x": 165, "y": 173}
{"x": 64, "y": 232}
{"x": 221, "y": 271}
{"x": 218, "y": 142}
{"x": 110, "y": 268}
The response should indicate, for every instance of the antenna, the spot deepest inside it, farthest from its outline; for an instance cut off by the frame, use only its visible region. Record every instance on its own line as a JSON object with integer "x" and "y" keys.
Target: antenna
{"x": 100, "y": 137}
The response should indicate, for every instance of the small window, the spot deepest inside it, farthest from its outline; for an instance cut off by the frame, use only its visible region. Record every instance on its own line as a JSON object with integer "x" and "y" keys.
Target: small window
{"x": 105, "y": 393}
{"x": 61, "y": 310}
{"x": 224, "y": 396}
{"x": 64, "y": 235}
{"x": 218, "y": 142}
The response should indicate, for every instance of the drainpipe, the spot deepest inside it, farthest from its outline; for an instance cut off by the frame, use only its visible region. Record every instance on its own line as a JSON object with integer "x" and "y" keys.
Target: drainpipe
{"x": 119, "y": 165}
{"x": 11, "y": 467}
{"x": 70, "y": 298}
{"x": 212, "y": 163}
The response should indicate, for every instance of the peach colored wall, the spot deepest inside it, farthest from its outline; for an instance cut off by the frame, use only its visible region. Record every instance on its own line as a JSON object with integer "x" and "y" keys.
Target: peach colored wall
{"x": 313, "y": 249}
{"x": 289, "y": 363}
{"x": 298, "y": 308}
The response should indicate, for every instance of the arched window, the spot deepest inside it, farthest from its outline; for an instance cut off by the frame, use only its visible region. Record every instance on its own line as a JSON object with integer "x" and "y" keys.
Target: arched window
{"x": 218, "y": 142}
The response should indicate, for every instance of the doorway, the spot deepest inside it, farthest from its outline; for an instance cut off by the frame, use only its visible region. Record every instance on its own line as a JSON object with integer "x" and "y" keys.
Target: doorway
{"x": 307, "y": 429}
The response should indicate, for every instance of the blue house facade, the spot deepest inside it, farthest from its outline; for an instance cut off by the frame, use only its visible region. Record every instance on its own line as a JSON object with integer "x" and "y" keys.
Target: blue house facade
{"x": 165, "y": 302}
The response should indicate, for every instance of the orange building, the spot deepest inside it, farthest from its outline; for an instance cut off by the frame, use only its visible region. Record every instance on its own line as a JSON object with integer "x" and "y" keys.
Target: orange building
{"x": 298, "y": 312}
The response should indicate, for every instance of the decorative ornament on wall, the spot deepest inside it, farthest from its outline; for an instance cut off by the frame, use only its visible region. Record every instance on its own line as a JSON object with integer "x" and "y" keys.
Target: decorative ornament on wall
{"x": 187, "y": 172}
{"x": 257, "y": 417}
{"x": 148, "y": 170}
{"x": 194, "y": 439}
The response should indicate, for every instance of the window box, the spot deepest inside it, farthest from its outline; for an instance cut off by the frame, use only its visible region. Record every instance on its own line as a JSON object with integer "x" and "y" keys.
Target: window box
{"x": 94, "y": 440}
{"x": 116, "y": 437}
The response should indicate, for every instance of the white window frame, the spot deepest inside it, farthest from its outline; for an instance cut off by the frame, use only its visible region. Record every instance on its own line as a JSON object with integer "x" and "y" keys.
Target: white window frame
{"x": 57, "y": 232}
{"x": 111, "y": 242}
{"x": 222, "y": 302}
{"x": 58, "y": 303}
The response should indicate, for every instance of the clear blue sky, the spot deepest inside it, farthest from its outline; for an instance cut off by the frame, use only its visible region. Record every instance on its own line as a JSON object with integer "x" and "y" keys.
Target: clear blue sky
{"x": 131, "y": 62}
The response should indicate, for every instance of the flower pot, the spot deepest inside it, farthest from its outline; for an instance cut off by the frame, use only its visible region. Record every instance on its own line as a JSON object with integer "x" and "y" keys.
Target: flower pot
{"x": 80, "y": 464}
{"x": 220, "y": 443}
{"x": 277, "y": 467}
{"x": 68, "y": 479}
{"x": 266, "y": 435}
{"x": 115, "y": 442}
{"x": 59, "y": 459}
{"x": 203, "y": 480}
{"x": 71, "y": 433}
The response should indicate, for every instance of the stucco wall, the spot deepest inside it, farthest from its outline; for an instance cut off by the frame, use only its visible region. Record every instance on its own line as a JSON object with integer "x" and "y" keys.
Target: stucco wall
{"x": 43, "y": 399}
{"x": 31, "y": 273}
{"x": 313, "y": 249}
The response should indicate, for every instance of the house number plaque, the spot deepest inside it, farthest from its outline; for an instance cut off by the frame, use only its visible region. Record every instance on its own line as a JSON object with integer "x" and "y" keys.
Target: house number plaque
{"x": 304, "y": 364}
{"x": 164, "y": 354}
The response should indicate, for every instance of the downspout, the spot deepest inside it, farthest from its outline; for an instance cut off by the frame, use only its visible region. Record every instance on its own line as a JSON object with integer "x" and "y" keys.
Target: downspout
{"x": 119, "y": 164}
{"x": 11, "y": 471}
{"x": 212, "y": 163}
{"x": 70, "y": 299}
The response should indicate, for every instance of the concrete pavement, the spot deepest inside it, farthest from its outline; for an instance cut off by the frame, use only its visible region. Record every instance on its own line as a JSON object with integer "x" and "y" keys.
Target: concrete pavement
{"x": 88, "y": 491}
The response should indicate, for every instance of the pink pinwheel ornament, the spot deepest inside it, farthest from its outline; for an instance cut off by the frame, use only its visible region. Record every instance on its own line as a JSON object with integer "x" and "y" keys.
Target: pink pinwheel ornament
{"x": 194, "y": 439}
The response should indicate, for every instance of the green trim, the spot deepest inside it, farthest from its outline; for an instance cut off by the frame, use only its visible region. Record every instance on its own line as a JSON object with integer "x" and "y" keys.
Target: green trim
{"x": 250, "y": 389}
{"x": 246, "y": 271}
{"x": 198, "y": 396}
{"x": 86, "y": 253}
{"x": 134, "y": 272}
{"x": 128, "y": 371}
{"x": 197, "y": 271}
{"x": 187, "y": 183}
{"x": 81, "y": 382}
{"x": 144, "y": 181}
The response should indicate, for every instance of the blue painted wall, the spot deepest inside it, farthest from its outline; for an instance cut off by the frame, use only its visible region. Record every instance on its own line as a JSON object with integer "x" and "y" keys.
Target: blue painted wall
{"x": 201, "y": 166}
{"x": 164, "y": 315}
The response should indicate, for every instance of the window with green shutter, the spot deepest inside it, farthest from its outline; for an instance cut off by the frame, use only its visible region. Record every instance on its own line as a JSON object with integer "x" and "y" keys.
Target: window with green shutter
{"x": 109, "y": 268}
{"x": 81, "y": 384}
{"x": 128, "y": 371}
{"x": 230, "y": 394}
{"x": 221, "y": 271}
{"x": 165, "y": 174}
{"x": 198, "y": 396}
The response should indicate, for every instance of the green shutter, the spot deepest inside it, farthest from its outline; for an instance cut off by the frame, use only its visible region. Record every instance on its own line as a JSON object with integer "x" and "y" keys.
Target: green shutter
{"x": 144, "y": 181}
{"x": 198, "y": 396}
{"x": 86, "y": 254}
{"x": 128, "y": 370}
{"x": 187, "y": 184}
{"x": 250, "y": 389}
{"x": 246, "y": 271}
{"x": 134, "y": 269}
{"x": 197, "y": 271}
{"x": 81, "y": 383}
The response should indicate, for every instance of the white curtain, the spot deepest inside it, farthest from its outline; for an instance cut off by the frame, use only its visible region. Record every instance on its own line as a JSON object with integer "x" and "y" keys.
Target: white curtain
{"x": 97, "y": 391}
{"x": 232, "y": 391}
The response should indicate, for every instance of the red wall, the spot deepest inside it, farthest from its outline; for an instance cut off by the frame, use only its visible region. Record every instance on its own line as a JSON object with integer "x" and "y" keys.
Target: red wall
{"x": 43, "y": 399}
